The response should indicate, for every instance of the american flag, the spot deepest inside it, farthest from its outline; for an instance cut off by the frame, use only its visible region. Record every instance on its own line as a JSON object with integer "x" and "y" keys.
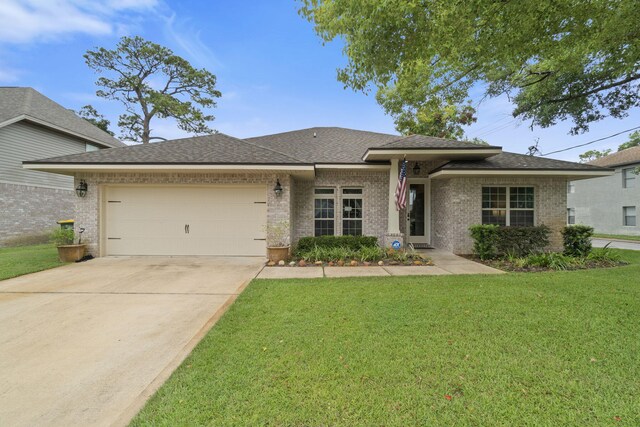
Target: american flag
{"x": 401, "y": 188}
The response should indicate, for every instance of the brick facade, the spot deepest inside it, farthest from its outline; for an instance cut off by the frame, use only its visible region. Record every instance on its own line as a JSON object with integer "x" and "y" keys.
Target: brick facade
{"x": 88, "y": 208}
{"x": 457, "y": 204}
{"x": 375, "y": 189}
{"x": 29, "y": 210}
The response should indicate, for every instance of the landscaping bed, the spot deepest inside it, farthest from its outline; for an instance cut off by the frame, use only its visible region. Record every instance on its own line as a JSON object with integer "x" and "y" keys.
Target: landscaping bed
{"x": 350, "y": 251}
{"x": 553, "y": 261}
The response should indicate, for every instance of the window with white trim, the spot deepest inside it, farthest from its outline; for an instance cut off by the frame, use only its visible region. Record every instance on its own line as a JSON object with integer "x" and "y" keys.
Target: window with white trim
{"x": 352, "y": 211}
{"x": 508, "y": 206}
{"x": 629, "y": 178}
{"x": 324, "y": 211}
{"x": 571, "y": 216}
{"x": 629, "y": 216}
{"x": 571, "y": 187}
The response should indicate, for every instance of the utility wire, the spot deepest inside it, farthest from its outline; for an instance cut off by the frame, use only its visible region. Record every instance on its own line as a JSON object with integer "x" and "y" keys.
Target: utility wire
{"x": 590, "y": 142}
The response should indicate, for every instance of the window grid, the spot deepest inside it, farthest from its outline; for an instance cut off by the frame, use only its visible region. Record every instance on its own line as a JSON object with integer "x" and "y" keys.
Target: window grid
{"x": 571, "y": 216}
{"x": 352, "y": 211}
{"x": 571, "y": 187}
{"x": 629, "y": 216}
{"x": 519, "y": 212}
{"x": 324, "y": 212}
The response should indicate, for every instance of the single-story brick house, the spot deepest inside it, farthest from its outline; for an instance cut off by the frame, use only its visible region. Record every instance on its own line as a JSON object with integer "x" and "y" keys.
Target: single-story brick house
{"x": 214, "y": 195}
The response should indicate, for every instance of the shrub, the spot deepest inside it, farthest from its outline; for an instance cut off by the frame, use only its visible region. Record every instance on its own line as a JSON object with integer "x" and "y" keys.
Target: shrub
{"x": 485, "y": 239}
{"x": 367, "y": 253}
{"x": 554, "y": 261}
{"x": 305, "y": 244}
{"x": 577, "y": 240}
{"x": 62, "y": 236}
{"x": 522, "y": 241}
{"x": 604, "y": 257}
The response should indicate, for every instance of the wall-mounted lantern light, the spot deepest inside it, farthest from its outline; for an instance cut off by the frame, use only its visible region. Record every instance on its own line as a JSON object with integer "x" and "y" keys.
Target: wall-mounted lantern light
{"x": 278, "y": 188}
{"x": 81, "y": 189}
{"x": 416, "y": 169}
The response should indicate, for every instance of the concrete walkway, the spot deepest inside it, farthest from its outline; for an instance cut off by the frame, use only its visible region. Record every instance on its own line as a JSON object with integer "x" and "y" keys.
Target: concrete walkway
{"x": 86, "y": 344}
{"x": 445, "y": 263}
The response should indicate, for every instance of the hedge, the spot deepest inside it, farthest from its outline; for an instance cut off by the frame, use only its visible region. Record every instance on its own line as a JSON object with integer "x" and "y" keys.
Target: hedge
{"x": 354, "y": 243}
{"x": 492, "y": 240}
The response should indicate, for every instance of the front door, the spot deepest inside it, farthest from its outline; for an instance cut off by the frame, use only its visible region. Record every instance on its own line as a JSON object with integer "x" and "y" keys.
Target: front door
{"x": 418, "y": 229}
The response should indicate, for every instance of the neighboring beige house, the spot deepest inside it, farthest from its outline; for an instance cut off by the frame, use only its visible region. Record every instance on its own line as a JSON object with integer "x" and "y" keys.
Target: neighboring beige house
{"x": 610, "y": 204}
{"x": 213, "y": 195}
{"x": 32, "y": 127}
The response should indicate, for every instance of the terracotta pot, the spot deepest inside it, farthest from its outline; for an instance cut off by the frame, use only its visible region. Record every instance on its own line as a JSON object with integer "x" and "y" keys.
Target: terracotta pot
{"x": 277, "y": 254}
{"x": 71, "y": 253}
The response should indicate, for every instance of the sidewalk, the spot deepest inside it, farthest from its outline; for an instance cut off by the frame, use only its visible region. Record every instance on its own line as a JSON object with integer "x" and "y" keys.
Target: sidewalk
{"x": 445, "y": 263}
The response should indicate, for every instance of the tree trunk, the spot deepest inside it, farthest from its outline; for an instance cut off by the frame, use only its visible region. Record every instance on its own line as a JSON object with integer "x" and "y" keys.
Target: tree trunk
{"x": 146, "y": 132}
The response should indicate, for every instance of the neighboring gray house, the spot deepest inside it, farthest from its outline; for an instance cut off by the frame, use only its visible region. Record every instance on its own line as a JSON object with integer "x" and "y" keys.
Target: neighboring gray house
{"x": 609, "y": 204}
{"x": 32, "y": 127}
{"x": 213, "y": 195}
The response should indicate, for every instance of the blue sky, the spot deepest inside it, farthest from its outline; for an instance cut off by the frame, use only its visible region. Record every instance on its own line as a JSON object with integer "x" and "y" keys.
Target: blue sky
{"x": 273, "y": 71}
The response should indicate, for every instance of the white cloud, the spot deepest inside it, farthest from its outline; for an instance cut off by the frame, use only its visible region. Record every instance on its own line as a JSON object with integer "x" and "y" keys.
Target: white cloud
{"x": 24, "y": 21}
{"x": 188, "y": 40}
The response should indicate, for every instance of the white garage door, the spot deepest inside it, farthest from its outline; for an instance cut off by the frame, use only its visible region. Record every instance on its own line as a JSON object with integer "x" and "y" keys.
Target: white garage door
{"x": 212, "y": 220}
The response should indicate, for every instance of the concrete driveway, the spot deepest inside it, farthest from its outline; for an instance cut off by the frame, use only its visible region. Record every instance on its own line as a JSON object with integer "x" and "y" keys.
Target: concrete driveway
{"x": 88, "y": 343}
{"x": 617, "y": 244}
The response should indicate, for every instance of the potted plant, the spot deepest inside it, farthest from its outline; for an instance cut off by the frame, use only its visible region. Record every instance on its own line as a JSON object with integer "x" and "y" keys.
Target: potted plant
{"x": 278, "y": 241}
{"x": 67, "y": 251}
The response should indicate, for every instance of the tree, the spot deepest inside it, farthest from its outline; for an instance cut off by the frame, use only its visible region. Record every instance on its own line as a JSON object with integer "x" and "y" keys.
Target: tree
{"x": 556, "y": 60}
{"x": 593, "y": 155}
{"x": 634, "y": 141}
{"x": 91, "y": 115}
{"x": 415, "y": 112}
{"x": 153, "y": 82}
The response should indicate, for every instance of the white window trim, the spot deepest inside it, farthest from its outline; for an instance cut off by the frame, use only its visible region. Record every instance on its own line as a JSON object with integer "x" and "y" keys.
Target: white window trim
{"x": 344, "y": 196}
{"x": 508, "y": 207}
{"x": 628, "y": 174}
{"x": 569, "y": 211}
{"x": 325, "y": 197}
{"x": 625, "y": 216}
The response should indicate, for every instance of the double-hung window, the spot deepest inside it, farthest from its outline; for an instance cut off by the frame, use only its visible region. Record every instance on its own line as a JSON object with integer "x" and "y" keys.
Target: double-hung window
{"x": 352, "y": 211}
{"x": 629, "y": 178}
{"x": 508, "y": 206}
{"x": 324, "y": 211}
{"x": 629, "y": 216}
{"x": 571, "y": 216}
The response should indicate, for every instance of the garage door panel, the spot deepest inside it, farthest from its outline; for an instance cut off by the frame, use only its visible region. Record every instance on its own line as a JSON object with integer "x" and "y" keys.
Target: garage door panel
{"x": 222, "y": 220}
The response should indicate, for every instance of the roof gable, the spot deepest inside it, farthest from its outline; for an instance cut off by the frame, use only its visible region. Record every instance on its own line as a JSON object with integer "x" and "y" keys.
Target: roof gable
{"x": 25, "y": 103}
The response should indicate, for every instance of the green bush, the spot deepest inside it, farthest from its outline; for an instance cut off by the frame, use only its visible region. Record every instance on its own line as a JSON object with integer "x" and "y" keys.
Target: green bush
{"x": 62, "y": 236}
{"x": 485, "y": 240}
{"x": 354, "y": 243}
{"x": 553, "y": 260}
{"x": 522, "y": 241}
{"x": 370, "y": 253}
{"x": 577, "y": 240}
{"x": 604, "y": 257}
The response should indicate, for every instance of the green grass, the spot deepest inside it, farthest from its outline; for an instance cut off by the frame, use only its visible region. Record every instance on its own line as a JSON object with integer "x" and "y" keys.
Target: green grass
{"x": 27, "y": 259}
{"x": 527, "y": 349}
{"x": 617, "y": 236}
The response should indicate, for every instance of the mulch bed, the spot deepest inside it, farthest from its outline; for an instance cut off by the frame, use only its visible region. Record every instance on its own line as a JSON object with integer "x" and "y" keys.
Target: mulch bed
{"x": 385, "y": 263}
{"x": 506, "y": 265}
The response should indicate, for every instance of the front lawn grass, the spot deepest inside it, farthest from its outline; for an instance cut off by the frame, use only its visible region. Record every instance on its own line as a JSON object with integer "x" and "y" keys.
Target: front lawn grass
{"x": 558, "y": 348}
{"x": 27, "y": 259}
{"x": 617, "y": 236}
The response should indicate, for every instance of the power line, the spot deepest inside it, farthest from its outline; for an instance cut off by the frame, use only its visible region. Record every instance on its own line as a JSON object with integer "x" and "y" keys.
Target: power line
{"x": 590, "y": 142}
{"x": 496, "y": 129}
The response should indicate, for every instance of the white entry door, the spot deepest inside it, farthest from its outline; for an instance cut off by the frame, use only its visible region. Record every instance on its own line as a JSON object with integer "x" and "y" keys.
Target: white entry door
{"x": 418, "y": 230}
{"x": 167, "y": 220}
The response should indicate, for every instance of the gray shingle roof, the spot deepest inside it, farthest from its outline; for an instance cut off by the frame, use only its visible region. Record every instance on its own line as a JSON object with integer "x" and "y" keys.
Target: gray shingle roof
{"x": 19, "y": 101}
{"x": 624, "y": 157}
{"x": 514, "y": 161}
{"x": 422, "y": 141}
{"x": 210, "y": 149}
{"x": 325, "y": 144}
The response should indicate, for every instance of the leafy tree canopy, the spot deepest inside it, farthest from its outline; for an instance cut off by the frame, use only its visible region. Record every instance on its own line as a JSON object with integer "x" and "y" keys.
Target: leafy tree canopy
{"x": 91, "y": 115}
{"x": 556, "y": 60}
{"x": 634, "y": 141}
{"x": 153, "y": 82}
{"x": 593, "y": 154}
